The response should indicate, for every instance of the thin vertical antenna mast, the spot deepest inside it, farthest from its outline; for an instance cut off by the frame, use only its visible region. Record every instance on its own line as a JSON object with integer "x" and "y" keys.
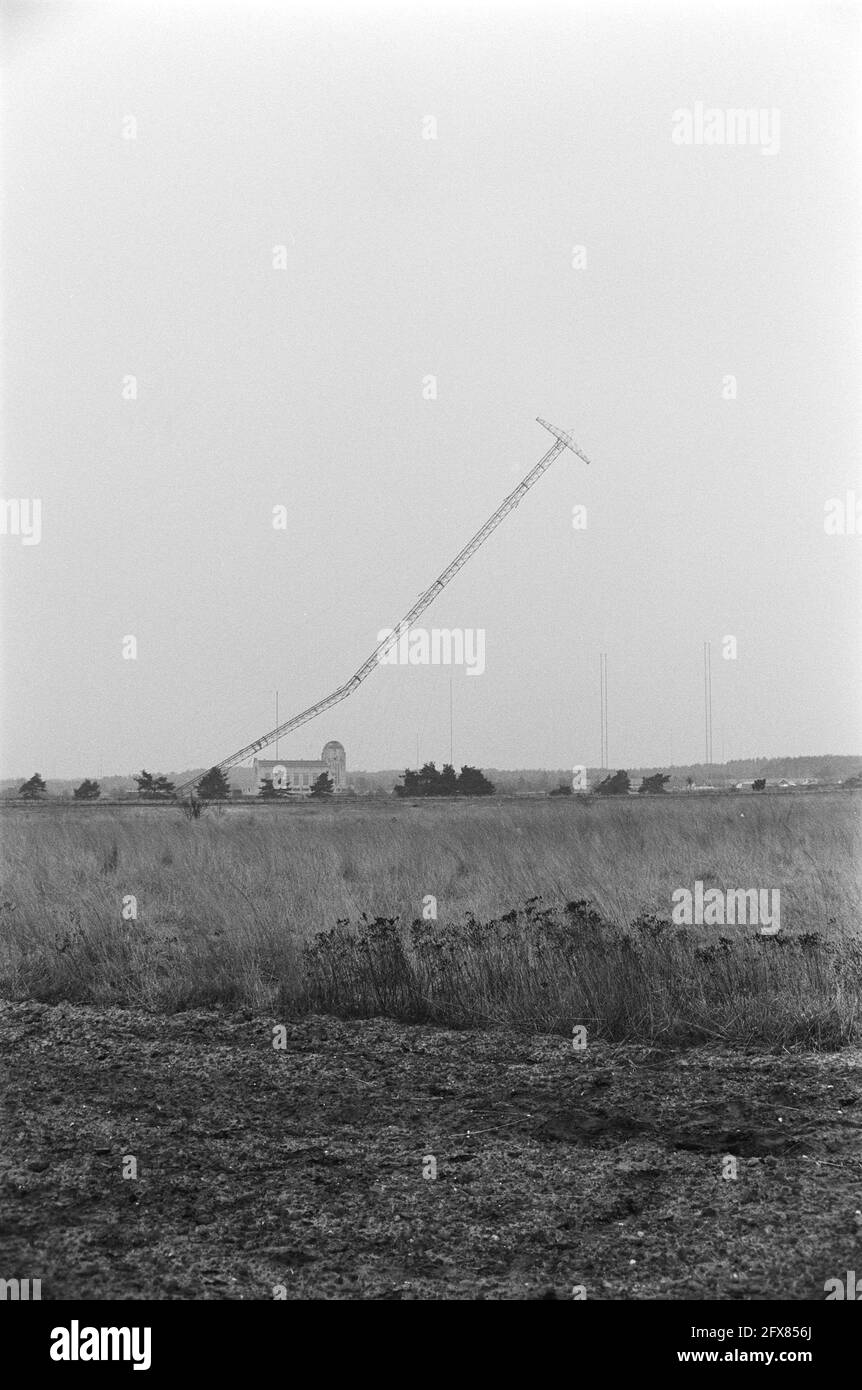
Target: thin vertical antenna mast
{"x": 709, "y": 689}
{"x": 451, "y": 728}
{"x": 707, "y": 701}
{"x": 607, "y": 750}
{"x": 602, "y": 710}
{"x": 276, "y": 724}
{"x": 705, "y": 716}
{"x": 603, "y": 674}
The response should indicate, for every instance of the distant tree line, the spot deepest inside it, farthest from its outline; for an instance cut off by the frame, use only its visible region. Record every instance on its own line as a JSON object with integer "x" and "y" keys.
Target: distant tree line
{"x": 429, "y": 781}
{"x": 619, "y": 784}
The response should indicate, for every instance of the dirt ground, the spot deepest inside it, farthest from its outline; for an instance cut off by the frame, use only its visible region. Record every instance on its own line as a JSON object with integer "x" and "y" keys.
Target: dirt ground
{"x": 298, "y": 1171}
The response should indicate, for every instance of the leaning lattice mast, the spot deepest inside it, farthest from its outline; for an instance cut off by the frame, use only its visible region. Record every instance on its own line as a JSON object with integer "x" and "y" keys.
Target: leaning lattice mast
{"x": 562, "y": 441}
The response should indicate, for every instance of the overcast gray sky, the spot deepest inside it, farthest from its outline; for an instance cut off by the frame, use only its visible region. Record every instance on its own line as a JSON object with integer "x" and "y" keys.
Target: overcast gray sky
{"x": 151, "y": 257}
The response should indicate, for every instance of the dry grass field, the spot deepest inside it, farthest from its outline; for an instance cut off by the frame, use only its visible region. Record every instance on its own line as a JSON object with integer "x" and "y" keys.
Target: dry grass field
{"x": 548, "y": 913}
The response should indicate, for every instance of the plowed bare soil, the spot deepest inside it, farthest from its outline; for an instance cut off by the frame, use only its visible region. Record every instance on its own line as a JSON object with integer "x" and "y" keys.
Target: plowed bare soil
{"x": 298, "y": 1171}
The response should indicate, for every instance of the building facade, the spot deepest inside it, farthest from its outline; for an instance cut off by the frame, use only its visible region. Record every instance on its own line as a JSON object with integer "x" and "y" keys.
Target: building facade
{"x": 298, "y": 775}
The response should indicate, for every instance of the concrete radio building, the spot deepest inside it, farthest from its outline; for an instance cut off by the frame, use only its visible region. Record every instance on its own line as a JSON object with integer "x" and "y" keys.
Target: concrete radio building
{"x": 298, "y": 775}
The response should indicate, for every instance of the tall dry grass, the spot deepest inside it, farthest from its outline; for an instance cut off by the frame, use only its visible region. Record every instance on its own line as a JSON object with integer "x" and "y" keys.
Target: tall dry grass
{"x": 230, "y": 908}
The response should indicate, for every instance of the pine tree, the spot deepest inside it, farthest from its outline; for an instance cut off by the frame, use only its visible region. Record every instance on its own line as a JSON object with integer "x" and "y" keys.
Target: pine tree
{"x": 616, "y": 785}
{"x": 214, "y": 786}
{"x": 472, "y": 782}
{"x": 88, "y": 791}
{"x": 410, "y": 783}
{"x": 153, "y": 788}
{"x": 34, "y": 787}
{"x": 429, "y": 780}
{"x": 651, "y": 786}
{"x": 448, "y": 781}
